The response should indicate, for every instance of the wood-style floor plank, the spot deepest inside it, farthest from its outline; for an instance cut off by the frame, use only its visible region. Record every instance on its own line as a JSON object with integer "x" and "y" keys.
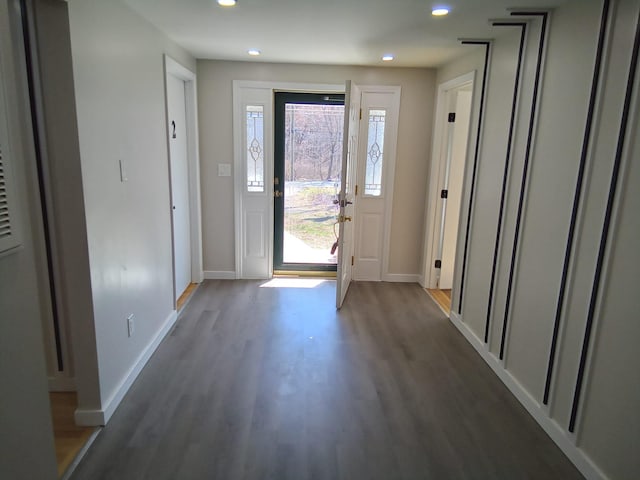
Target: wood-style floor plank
{"x": 185, "y": 295}
{"x": 274, "y": 383}
{"x": 442, "y": 298}
{"x": 69, "y": 438}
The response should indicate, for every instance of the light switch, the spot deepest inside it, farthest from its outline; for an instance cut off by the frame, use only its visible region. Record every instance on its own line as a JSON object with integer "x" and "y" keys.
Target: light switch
{"x": 224, "y": 169}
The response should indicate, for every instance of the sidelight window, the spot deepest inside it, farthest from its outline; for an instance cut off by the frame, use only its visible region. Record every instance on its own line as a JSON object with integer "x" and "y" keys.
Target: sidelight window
{"x": 255, "y": 148}
{"x": 375, "y": 153}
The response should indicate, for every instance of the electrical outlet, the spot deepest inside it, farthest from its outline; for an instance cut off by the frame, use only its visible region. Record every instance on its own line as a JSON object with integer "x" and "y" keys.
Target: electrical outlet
{"x": 130, "y": 325}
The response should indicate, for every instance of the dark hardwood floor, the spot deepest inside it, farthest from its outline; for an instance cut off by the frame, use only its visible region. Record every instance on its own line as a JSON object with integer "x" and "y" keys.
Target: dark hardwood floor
{"x": 273, "y": 383}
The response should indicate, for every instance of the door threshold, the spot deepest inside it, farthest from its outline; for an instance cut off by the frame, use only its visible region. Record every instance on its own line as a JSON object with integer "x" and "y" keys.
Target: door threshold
{"x": 304, "y": 274}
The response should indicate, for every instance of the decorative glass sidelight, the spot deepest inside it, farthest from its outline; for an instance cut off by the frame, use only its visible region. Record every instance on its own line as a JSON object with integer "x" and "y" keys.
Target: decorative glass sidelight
{"x": 255, "y": 148}
{"x": 375, "y": 153}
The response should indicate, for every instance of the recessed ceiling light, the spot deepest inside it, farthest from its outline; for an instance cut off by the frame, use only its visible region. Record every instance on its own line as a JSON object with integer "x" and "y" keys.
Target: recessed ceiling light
{"x": 227, "y": 3}
{"x": 387, "y": 58}
{"x": 439, "y": 11}
{"x": 253, "y": 52}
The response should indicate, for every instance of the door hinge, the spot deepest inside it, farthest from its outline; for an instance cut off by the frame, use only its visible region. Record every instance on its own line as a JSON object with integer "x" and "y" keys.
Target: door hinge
{"x": 438, "y": 264}
{"x": 360, "y": 114}
{"x": 356, "y": 194}
{"x": 352, "y": 260}
{"x": 444, "y": 193}
{"x": 452, "y": 117}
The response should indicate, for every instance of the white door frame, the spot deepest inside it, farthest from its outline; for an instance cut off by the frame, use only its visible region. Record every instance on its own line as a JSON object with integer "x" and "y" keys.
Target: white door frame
{"x": 262, "y": 90}
{"x": 172, "y": 67}
{"x": 438, "y": 164}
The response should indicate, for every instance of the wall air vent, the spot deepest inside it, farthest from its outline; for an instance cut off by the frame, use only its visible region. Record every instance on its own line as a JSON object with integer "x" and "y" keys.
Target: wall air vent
{"x": 9, "y": 238}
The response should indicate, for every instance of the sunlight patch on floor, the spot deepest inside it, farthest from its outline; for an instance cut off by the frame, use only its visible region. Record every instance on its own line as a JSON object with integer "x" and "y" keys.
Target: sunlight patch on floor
{"x": 294, "y": 283}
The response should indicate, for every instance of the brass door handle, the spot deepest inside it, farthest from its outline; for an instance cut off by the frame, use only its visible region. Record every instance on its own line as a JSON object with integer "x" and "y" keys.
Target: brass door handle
{"x": 277, "y": 193}
{"x": 344, "y": 218}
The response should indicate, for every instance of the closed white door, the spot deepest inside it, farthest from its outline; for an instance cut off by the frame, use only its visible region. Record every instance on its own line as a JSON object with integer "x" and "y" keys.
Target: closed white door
{"x": 347, "y": 190}
{"x": 177, "y": 119}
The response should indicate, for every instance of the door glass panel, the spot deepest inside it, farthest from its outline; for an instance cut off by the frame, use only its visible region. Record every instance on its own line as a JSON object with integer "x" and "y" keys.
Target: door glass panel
{"x": 312, "y": 169}
{"x": 255, "y": 148}
{"x": 375, "y": 153}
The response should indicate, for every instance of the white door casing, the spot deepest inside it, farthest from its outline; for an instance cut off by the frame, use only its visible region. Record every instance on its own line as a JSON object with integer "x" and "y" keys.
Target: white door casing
{"x": 176, "y": 107}
{"x": 254, "y": 209}
{"x": 347, "y": 190}
{"x": 434, "y": 220}
{"x": 184, "y": 175}
{"x": 454, "y": 183}
{"x": 373, "y": 211}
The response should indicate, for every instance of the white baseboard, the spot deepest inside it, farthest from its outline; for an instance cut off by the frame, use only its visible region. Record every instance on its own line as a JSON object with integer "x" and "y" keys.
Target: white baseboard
{"x": 219, "y": 275}
{"x": 62, "y": 384}
{"x": 401, "y": 277}
{"x": 562, "y": 438}
{"x": 89, "y": 418}
{"x": 101, "y": 417}
{"x": 198, "y": 277}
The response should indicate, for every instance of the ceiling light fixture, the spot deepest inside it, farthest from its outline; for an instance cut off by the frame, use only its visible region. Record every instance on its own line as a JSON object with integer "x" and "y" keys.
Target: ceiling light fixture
{"x": 387, "y": 58}
{"x": 439, "y": 11}
{"x": 227, "y": 3}
{"x": 253, "y": 52}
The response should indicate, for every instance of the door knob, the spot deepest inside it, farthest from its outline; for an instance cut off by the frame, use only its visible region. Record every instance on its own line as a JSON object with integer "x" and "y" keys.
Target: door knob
{"x": 344, "y": 218}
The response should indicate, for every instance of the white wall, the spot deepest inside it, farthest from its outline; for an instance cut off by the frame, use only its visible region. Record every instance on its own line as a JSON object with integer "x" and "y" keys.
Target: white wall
{"x": 119, "y": 88}
{"x": 604, "y": 444}
{"x": 26, "y": 440}
{"x": 216, "y": 146}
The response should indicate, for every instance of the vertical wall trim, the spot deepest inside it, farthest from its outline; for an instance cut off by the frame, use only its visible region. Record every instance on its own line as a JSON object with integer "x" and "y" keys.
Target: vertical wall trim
{"x": 487, "y": 53}
{"x": 523, "y": 32}
{"x": 613, "y": 187}
{"x": 525, "y": 168}
{"x": 586, "y": 142}
{"x": 38, "y": 147}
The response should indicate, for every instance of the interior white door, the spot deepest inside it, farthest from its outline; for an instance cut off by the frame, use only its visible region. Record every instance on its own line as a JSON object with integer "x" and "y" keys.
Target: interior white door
{"x": 347, "y": 190}
{"x": 454, "y": 185}
{"x": 177, "y": 119}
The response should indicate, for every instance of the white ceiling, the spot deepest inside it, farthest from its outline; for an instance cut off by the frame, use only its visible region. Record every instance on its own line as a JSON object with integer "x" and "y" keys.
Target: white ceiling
{"x": 347, "y": 32}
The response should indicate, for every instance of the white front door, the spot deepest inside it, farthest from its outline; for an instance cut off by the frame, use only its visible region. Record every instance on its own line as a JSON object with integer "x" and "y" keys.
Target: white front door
{"x": 375, "y": 173}
{"x": 177, "y": 119}
{"x": 346, "y": 197}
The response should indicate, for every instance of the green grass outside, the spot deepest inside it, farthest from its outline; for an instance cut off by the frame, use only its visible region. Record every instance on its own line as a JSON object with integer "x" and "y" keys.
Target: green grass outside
{"x": 310, "y": 216}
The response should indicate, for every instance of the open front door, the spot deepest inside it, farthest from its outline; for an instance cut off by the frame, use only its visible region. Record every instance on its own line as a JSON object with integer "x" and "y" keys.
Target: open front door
{"x": 347, "y": 193}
